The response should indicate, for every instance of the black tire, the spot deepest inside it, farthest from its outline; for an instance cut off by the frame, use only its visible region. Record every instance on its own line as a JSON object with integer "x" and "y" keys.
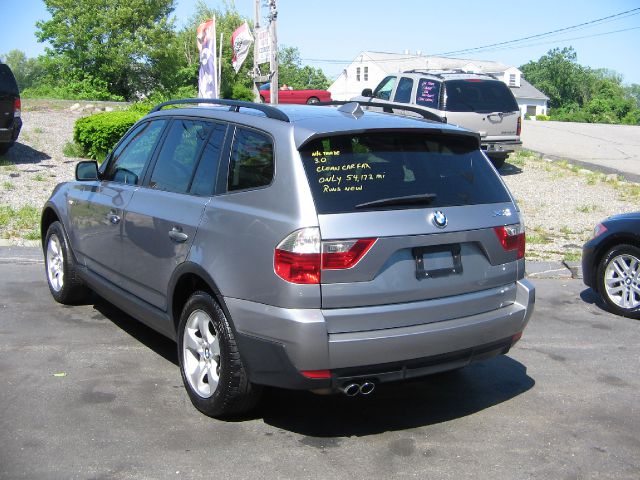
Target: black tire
{"x": 312, "y": 100}
{"x": 4, "y": 147}
{"x": 233, "y": 394}
{"x": 65, "y": 285}
{"x": 498, "y": 159}
{"x": 610, "y": 279}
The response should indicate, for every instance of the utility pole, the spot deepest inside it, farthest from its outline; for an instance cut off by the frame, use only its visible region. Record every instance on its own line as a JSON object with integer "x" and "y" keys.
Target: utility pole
{"x": 273, "y": 15}
{"x": 256, "y": 70}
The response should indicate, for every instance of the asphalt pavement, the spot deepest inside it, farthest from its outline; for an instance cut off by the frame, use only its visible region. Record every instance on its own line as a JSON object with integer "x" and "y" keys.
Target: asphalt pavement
{"x": 87, "y": 392}
{"x": 609, "y": 148}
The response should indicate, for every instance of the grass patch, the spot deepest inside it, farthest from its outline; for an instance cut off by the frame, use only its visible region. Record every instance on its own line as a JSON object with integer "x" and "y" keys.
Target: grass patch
{"x": 572, "y": 256}
{"x": 73, "y": 150}
{"x": 8, "y": 186}
{"x": 566, "y": 230}
{"x": 586, "y": 208}
{"x": 38, "y": 177}
{"x": 539, "y": 236}
{"x": 38, "y": 130}
{"x": 21, "y": 223}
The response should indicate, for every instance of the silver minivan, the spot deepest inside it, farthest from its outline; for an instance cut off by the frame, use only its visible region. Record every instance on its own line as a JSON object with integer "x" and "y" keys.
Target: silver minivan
{"x": 477, "y": 101}
{"x": 303, "y": 247}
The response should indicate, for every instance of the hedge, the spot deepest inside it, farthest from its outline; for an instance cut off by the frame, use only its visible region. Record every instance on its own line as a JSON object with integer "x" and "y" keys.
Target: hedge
{"x": 97, "y": 134}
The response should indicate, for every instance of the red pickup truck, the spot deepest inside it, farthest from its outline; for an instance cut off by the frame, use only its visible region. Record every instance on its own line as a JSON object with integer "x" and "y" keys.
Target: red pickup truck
{"x": 295, "y": 96}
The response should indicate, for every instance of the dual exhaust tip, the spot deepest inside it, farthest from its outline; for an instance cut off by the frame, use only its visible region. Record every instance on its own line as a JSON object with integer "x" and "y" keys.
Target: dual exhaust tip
{"x": 352, "y": 389}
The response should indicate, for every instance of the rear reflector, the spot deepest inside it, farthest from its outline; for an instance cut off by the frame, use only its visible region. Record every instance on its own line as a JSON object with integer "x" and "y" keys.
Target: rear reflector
{"x": 516, "y": 337}
{"x": 301, "y": 256}
{"x": 519, "y": 127}
{"x": 17, "y": 107}
{"x": 512, "y": 238}
{"x": 316, "y": 374}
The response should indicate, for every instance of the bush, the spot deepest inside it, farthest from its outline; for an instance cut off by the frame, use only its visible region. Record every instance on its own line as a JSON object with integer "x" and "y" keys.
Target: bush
{"x": 542, "y": 118}
{"x": 98, "y": 134}
{"x": 86, "y": 89}
{"x": 240, "y": 92}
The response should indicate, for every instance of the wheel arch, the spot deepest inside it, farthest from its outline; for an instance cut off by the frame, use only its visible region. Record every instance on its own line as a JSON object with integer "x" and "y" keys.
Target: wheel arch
{"x": 49, "y": 215}
{"x": 188, "y": 278}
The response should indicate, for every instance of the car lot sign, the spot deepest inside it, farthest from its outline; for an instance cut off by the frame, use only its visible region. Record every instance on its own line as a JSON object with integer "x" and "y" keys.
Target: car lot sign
{"x": 206, "y": 36}
{"x": 263, "y": 41}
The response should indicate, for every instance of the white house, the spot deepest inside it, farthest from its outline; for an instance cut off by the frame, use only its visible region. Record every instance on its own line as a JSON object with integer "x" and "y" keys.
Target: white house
{"x": 369, "y": 68}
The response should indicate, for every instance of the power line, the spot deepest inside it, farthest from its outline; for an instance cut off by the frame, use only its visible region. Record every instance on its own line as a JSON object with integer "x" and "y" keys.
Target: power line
{"x": 466, "y": 50}
{"x": 505, "y": 45}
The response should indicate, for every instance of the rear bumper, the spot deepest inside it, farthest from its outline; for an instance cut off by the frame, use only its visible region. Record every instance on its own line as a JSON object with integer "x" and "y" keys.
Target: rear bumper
{"x": 276, "y": 343}
{"x": 10, "y": 134}
{"x": 500, "y": 146}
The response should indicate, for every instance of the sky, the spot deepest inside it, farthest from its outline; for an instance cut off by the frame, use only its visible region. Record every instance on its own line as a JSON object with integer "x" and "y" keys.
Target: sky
{"x": 330, "y": 34}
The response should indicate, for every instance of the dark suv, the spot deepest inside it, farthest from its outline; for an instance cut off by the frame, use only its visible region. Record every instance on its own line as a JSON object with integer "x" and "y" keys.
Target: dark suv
{"x": 10, "y": 121}
{"x": 304, "y": 247}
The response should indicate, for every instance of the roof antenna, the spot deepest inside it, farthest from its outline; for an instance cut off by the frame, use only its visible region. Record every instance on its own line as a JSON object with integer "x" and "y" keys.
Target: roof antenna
{"x": 352, "y": 108}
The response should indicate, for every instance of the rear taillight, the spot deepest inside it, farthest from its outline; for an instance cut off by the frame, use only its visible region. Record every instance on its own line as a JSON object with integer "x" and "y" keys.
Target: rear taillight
{"x": 344, "y": 254}
{"x": 301, "y": 256}
{"x": 599, "y": 230}
{"x": 519, "y": 126}
{"x": 17, "y": 107}
{"x": 512, "y": 238}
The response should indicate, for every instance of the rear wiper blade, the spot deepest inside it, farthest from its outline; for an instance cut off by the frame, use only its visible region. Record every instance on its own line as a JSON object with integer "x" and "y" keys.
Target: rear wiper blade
{"x": 423, "y": 199}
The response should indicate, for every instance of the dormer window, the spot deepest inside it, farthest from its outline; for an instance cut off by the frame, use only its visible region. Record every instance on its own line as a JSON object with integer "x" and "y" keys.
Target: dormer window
{"x": 512, "y": 80}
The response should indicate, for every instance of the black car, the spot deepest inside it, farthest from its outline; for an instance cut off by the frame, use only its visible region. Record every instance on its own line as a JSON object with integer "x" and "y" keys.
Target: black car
{"x": 611, "y": 263}
{"x": 10, "y": 121}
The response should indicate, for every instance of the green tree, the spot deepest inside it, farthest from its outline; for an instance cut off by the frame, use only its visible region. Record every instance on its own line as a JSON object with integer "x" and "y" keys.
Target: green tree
{"x": 119, "y": 44}
{"x": 28, "y": 71}
{"x": 300, "y": 77}
{"x": 559, "y": 76}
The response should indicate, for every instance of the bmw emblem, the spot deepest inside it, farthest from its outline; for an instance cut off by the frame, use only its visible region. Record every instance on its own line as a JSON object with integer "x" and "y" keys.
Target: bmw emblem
{"x": 439, "y": 219}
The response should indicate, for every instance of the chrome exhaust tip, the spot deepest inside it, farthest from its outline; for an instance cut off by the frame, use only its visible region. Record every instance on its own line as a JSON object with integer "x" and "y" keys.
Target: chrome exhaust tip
{"x": 367, "y": 388}
{"x": 351, "y": 389}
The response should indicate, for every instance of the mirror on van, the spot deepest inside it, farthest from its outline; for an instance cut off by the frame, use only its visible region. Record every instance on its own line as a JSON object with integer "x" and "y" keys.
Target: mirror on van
{"x": 367, "y": 92}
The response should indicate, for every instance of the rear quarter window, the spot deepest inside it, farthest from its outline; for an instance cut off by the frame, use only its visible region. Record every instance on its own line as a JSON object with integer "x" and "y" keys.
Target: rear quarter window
{"x": 476, "y": 95}
{"x": 347, "y": 171}
{"x": 428, "y": 93}
{"x": 7, "y": 81}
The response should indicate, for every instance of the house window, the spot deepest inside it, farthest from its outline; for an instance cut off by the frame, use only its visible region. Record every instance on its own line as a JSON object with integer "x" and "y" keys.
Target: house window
{"x": 512, "y": 80}
{"x": 366, "y": 74}
{"x": 357, "y": 74}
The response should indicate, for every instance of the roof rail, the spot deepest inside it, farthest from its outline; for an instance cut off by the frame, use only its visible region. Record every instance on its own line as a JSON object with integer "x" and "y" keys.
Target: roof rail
{"x": 440, "y": 72}
{"x": 388, "y": 108}
{"x": 234, "y": 106}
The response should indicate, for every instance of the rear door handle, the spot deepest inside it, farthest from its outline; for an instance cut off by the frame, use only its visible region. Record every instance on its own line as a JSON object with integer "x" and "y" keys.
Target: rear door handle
{"x": 177, "y": 235}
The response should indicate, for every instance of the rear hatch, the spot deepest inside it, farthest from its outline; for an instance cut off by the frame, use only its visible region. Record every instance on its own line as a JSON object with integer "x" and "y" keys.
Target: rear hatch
{"x": 421, "y": 217}
{"x": 8, "y": 96}
{"x": 484, "y": 106}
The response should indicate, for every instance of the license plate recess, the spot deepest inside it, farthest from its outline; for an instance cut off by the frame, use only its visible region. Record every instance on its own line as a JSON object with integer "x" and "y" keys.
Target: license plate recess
{"x": 437, "y": 261}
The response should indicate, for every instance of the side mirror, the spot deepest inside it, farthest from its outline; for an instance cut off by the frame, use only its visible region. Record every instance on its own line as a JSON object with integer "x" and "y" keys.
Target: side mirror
{"x": 367, "y": 92}
{"x": 87, "y": 170}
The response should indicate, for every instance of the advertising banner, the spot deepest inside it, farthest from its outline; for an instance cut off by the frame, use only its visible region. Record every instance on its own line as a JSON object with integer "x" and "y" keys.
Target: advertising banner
{"x": 241, "y": 40}
{"x": 207, "y": 79}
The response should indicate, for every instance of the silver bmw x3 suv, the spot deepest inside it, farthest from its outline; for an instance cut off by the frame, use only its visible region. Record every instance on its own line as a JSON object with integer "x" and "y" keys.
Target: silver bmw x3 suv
{"x": 304, "y": 247}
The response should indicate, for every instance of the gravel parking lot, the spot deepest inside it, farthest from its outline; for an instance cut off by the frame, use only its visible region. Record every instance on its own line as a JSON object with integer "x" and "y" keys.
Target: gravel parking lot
{"x": 561, "y": 203}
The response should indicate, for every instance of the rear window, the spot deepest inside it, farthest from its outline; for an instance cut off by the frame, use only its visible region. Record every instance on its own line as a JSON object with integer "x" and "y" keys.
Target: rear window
{"x": 7, "y": 81}
{"x": 482, "y": 96}
{"x": 345, "y": 172}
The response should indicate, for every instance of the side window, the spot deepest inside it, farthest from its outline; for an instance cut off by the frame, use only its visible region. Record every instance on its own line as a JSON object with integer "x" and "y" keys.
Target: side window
{"x": 428, "y": 93}
{"x": 383, "y": 91}
{"x": 251, "y": 163}
{"x": 179, "y": 155}
{"x": 130, "y": 157}
{"x": 403, "y": 92}
{"x": 205, "y": 178}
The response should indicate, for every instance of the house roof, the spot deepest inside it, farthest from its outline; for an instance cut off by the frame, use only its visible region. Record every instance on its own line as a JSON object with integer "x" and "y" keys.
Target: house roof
{"x": 397, "y": 62}
{"x": 526, "y": 90}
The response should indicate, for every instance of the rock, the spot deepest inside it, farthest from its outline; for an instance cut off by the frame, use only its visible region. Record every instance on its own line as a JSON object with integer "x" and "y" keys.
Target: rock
{"x": 74, "y": 107}
{"x": 612, "y": 177}
{"x": 584, "y": 171}
{"x": 108, "y": 109}
{"x": 89, "y": 106}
